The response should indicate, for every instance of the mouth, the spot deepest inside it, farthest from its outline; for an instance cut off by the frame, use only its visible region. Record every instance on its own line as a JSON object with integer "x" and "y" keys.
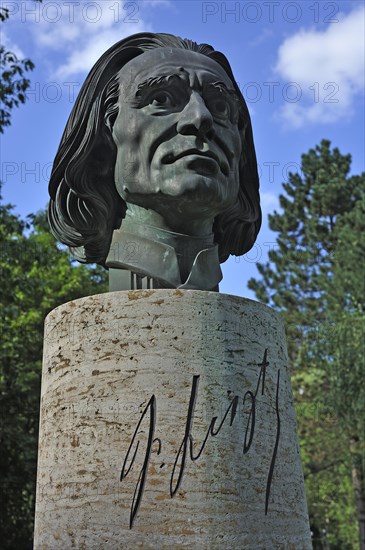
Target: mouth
{"x": 171, "y": 158}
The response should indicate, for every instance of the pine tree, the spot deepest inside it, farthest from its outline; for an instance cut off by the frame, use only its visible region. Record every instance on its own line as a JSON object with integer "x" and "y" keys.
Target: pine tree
{"x": 318, "y": 235}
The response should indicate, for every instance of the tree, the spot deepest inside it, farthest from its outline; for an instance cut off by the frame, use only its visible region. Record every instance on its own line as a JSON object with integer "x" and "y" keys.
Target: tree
{"x": 36, "y": 276}
{"x": 13, "y": 83}
{"x": 311, "y": 279}
{"x": 346, "y": 353}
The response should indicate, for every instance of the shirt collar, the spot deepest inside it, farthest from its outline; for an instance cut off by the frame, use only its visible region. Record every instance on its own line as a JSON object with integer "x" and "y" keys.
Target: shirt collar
{"x": 158, "y": 260}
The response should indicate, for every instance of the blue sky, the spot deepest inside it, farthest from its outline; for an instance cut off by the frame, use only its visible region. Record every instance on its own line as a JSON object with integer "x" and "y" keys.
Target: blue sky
{"x": 300, "y": 66}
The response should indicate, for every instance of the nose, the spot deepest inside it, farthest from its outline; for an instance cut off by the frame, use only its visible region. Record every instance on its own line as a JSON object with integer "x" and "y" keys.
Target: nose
{"x": 196, "y": 118}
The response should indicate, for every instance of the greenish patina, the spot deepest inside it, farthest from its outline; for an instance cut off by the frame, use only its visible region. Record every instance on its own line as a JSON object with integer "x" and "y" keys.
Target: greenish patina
{"x": 156, "y": 175}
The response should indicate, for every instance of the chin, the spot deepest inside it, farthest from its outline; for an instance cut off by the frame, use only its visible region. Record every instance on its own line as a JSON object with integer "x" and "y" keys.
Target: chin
{"x": 215, "y": 194}
{"x": 195, "y": 191}
{"x": 197, "y": 187}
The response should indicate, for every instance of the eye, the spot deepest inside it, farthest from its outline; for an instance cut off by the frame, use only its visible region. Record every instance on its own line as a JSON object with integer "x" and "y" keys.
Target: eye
{"x": 219, "y": 107}
{"x": 161, "y": 99}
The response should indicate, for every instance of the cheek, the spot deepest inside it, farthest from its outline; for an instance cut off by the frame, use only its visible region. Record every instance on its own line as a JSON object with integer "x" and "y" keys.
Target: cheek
{"x": 236, "y": 142}
{"x": 127, "y": 130}
{"x": 127, "y": 169}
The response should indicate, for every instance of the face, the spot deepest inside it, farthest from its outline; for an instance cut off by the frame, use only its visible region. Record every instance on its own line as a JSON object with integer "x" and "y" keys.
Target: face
{"x": 178, "y": 144}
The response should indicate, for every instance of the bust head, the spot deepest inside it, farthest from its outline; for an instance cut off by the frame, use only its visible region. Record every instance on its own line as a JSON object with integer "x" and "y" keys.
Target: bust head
{"x": 160, "y": 124}
{"x": 177, "y": 138}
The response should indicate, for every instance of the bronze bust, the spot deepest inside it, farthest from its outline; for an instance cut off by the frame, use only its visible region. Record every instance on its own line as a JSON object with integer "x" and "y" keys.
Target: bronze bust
{"x": 156, "y": 176}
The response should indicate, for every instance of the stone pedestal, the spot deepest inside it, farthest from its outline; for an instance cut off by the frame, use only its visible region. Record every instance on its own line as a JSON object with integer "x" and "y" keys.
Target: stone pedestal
{"x": 167, "y": 422}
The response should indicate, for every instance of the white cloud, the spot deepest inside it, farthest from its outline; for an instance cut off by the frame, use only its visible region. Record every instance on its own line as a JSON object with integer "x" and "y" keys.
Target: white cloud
{"x": 81, "y": 59}
{"x": 269, "y": 202}
{"x": 328, "y": 69}
{"x": 264, "y": 35}
{"x": 83, "y": 32}
{"x": 10, "y": 46}
{"x": 154, "y": 3}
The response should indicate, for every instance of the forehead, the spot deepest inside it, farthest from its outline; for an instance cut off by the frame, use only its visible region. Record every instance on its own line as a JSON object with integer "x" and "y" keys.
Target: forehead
{"x": 165, "y": 61}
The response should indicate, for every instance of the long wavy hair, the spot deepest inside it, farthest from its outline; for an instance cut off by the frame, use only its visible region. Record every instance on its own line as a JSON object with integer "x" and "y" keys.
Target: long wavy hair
{"x": 85, "y": 206}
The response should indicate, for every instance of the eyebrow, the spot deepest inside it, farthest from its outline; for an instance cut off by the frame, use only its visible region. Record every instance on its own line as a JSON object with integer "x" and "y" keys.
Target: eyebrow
{"x": 221, "y": 87}
{"x": 170, "y": 79}
{"x": 157, "y": 81}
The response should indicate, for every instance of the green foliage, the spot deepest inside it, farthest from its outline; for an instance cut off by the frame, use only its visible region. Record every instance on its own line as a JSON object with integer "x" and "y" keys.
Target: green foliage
{"x": 315, "y": 277}
{"x": 13, "y": 83}
{"x": 36, "y": 276}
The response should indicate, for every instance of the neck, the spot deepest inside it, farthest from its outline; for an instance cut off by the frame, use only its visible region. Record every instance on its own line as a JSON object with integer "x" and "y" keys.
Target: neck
{"x": 150, "y": 225}
{"x": 178, "y": 224}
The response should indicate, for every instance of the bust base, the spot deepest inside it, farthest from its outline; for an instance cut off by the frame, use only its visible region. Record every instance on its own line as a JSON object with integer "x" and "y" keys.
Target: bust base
{"x": 129, "y": 452}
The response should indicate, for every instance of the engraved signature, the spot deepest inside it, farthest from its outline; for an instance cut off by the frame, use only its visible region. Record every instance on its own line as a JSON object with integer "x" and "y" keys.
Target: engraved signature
{"x": 186, "y": 450}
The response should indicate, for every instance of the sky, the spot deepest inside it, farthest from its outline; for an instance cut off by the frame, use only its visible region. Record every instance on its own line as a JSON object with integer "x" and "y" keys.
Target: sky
{"x": 300, "y": 66}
